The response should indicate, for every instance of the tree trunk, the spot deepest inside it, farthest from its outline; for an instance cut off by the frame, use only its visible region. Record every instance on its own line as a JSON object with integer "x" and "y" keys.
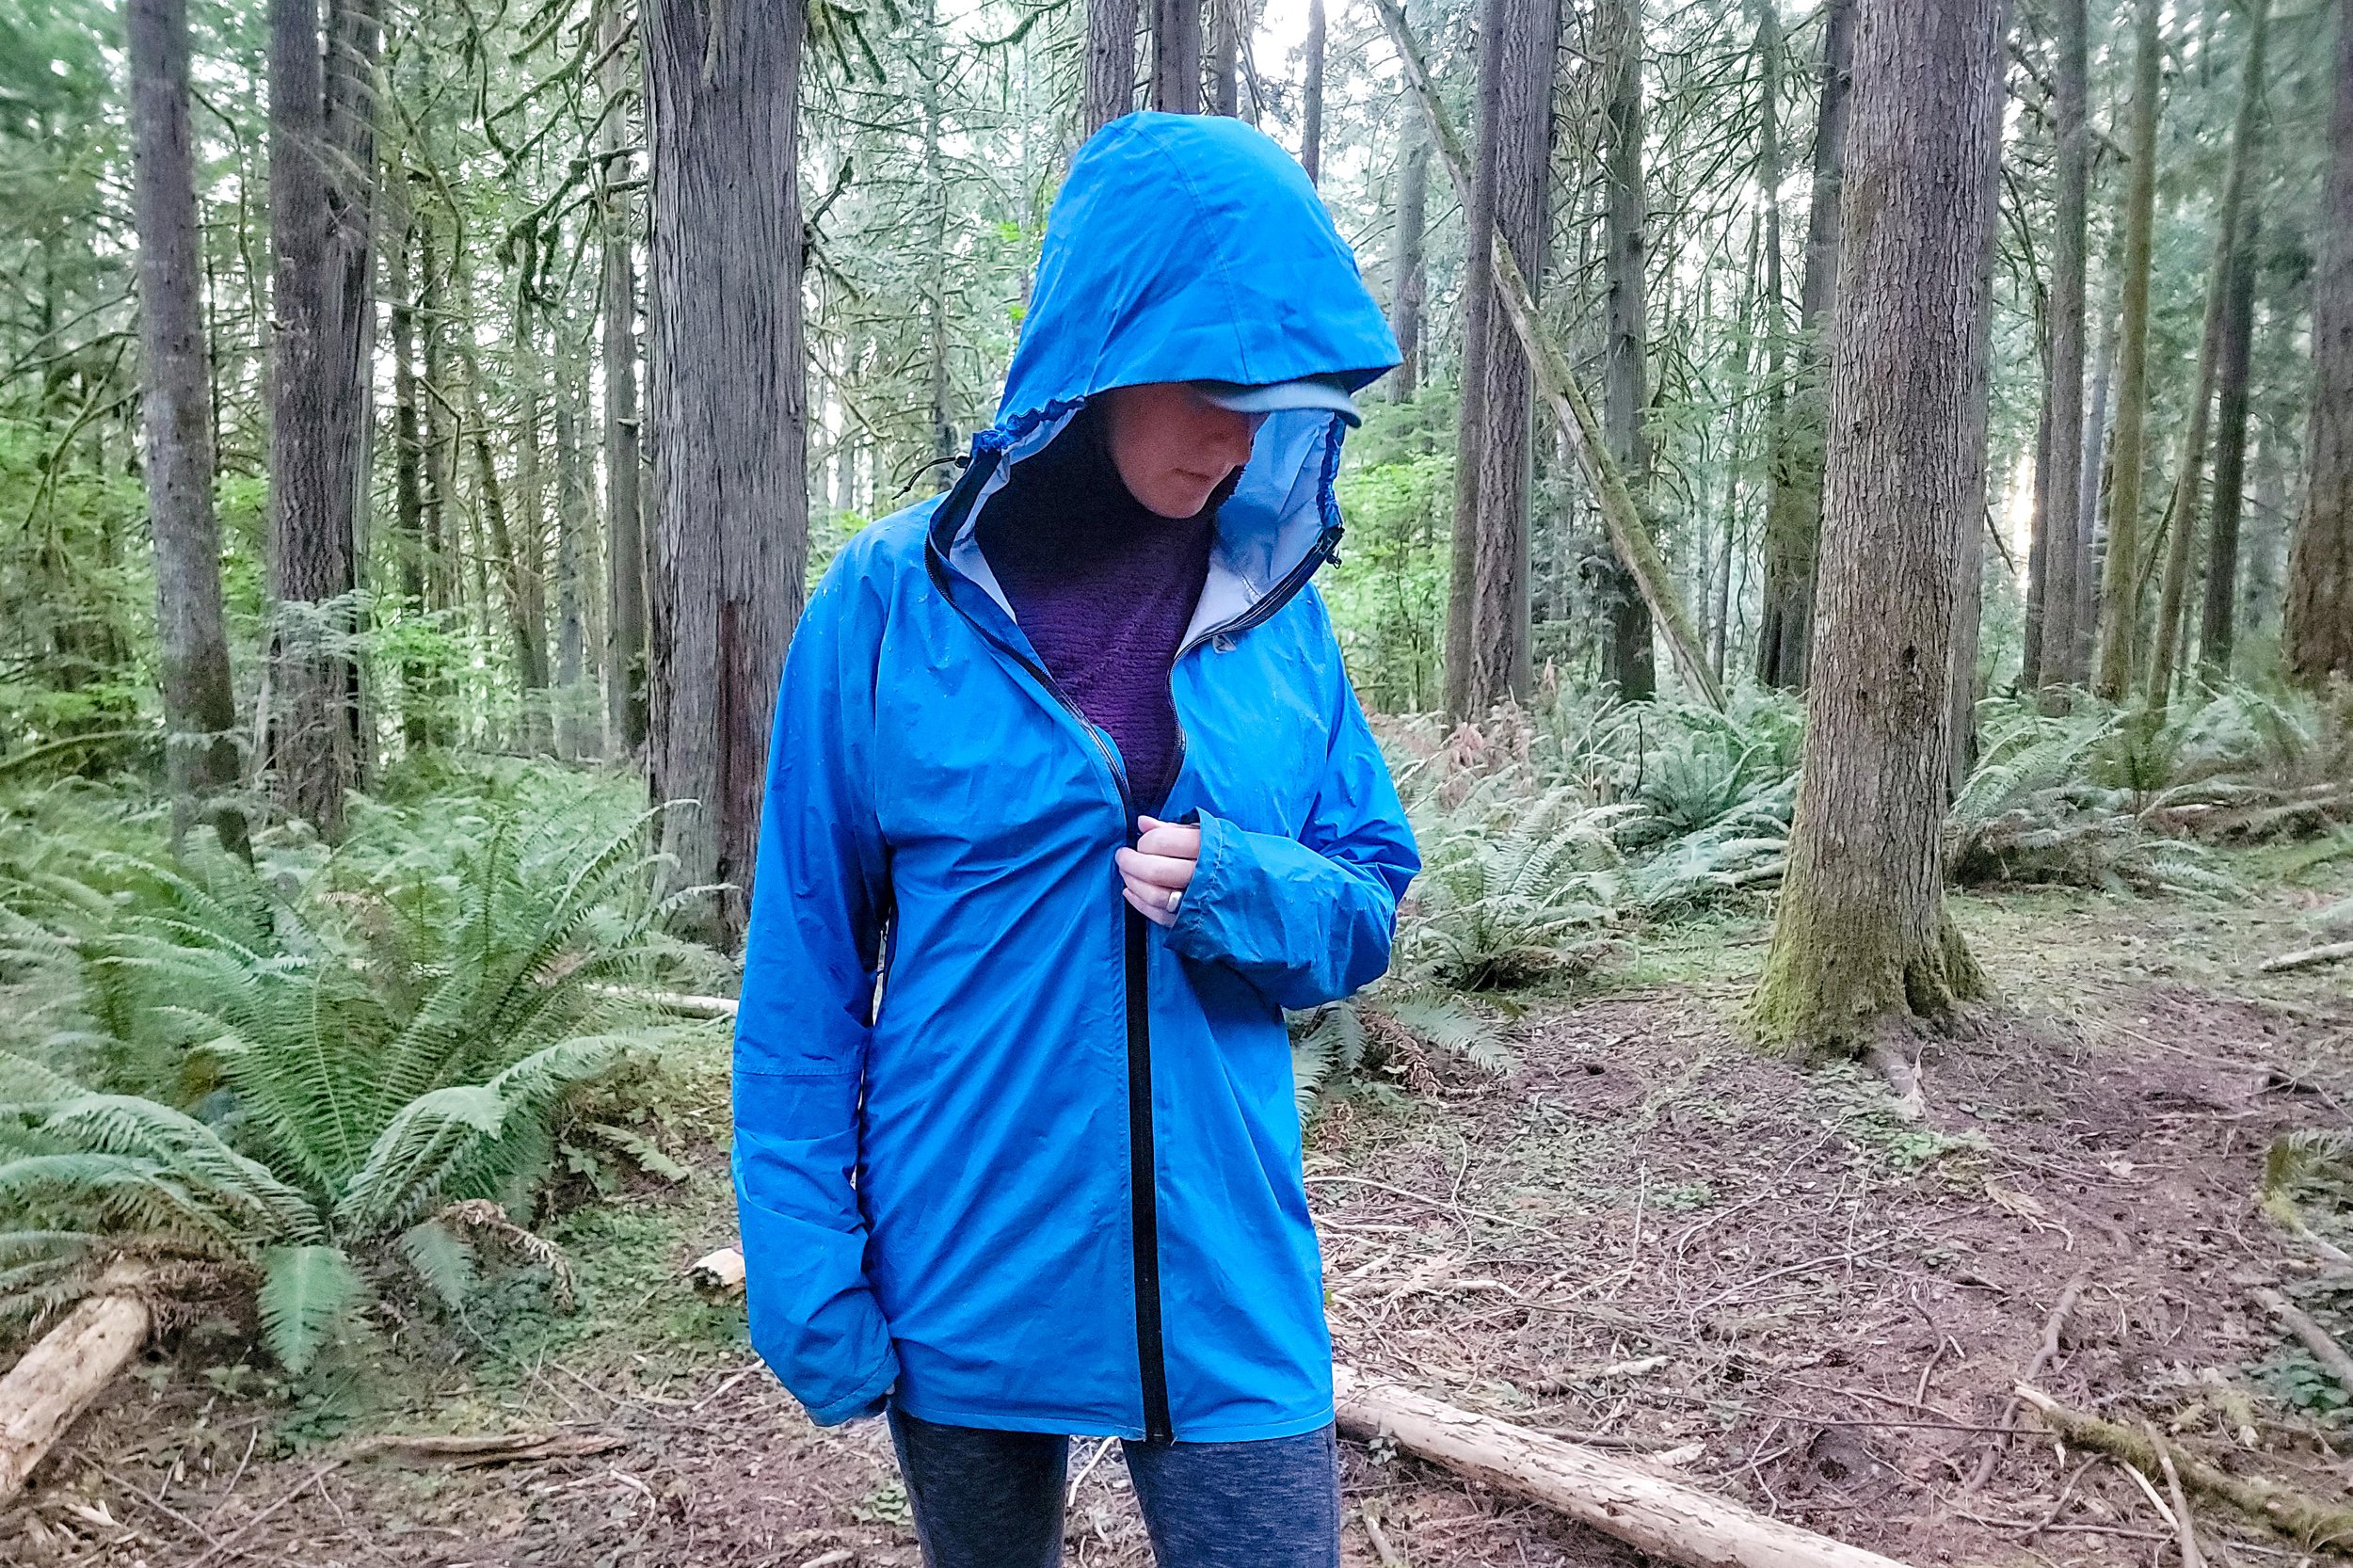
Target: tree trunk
{"x": 1110, "y": 61}
{"x": 572, "y": 511}
{"x": 408, "y": 549}
{"x": 2181, "y": 527}
{"x": 435, "y": 434}
{"x": 199, "y": 704}
{"x": 1311, "y": 136}
{"x": 731, "y": 511}
{"x": 1487, "y": 614}
{"x": 526, "y": 567}
{"x": 1225, "y": 57}
{"x": 1406, "y": 278}
{"x": 308, "y": 736}
{"x": 1626, "y": 662}
{"x": 2062, "y": 646}
{"x": 1794, "y": 511}
{"x": 624, "y": 505}
{"x": 2091, "y": 491}
{"x": 1862, "y": 936}
{"x": 2230, "y": 457}
{"x": 929, "y": 64}
{"x": 2317, "y": 630}
{"x": 2120, "y": 609}
{"x": 1176, "y": 55}
{"x": 2040, "y": 521}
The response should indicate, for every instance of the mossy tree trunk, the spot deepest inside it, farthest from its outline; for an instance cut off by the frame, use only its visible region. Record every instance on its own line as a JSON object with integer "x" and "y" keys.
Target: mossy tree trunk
{"x": 1862, "y": 938}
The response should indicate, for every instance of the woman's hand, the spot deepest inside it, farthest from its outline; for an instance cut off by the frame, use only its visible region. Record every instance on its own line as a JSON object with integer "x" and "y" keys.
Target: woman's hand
{"x": 1160, "y": 867}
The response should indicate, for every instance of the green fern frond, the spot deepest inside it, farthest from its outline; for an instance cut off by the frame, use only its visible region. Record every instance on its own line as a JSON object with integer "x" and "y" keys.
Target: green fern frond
{"x": 308, "y": 1294}
{"x": 443, "y": 1260}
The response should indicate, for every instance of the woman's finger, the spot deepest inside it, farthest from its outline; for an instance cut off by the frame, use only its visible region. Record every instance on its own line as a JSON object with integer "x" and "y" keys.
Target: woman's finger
{"x": 1172, "y": 838}
{"x": 1152, "y": 907}
{"x": 1158, "y": 870}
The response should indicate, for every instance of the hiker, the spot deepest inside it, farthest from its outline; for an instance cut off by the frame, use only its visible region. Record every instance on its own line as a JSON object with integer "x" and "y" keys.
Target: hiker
{"x": 1069, "y": 798}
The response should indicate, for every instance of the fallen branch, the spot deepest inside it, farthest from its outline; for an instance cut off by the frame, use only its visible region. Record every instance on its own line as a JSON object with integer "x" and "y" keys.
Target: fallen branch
{"x": 47, "y": 1390}
{"x": 1666, "y": 1518}
{"x": 2052, "y": 1326}
{"x": 2184, "y": 1524}
{"x": 673, "y": 1002}
{"x": 493, "y": 1449}
{"x": 2301, "y": 1517}
{"x": 2308, "y": 958}
{"x": 2317, "y": 1339}
{"x": 1630, "y": 533}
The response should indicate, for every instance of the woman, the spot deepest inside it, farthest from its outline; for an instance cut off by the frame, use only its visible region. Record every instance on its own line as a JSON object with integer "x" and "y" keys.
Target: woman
{"x": 1069, "y": 799}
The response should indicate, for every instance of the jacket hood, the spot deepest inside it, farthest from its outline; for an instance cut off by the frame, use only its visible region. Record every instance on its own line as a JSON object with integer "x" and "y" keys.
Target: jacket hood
{"x": 1187, "y": 247}
{"x": 1191, "y": 248}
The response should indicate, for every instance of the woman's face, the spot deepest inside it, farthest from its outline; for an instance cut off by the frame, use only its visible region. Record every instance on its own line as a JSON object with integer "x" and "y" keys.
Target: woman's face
{"x": 1173, "y": 446}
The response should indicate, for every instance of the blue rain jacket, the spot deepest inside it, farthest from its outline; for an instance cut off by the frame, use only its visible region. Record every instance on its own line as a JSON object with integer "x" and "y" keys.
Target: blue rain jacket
{"x": 1004, "y": 1146}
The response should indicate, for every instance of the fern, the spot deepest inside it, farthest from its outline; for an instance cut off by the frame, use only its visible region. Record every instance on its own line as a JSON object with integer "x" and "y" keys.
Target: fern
{"x": 298, "y": 1067}
{"x": 308, "y": 1295}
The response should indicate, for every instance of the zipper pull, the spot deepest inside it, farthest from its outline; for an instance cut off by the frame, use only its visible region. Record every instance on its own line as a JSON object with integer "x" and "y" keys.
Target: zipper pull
{"x": 1222, "y": 642}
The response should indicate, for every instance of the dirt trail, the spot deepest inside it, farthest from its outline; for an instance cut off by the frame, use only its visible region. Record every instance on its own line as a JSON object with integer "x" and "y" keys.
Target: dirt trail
{"x": 1646, "y": 1235}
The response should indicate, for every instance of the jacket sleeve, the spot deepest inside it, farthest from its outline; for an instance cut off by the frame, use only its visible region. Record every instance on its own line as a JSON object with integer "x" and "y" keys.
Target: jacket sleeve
{"x": 819, "y": 889}
{"x": 1307, "y": 920}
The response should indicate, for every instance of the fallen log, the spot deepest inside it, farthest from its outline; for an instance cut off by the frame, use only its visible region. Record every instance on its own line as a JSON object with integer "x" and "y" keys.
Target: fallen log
{"x": 673, "y": 1001}
{"x": 1666, "y": 1518}
{"x": 2296, "y": 1514}
{"x": 2307, "y": 958}
{"x": 47, "y": 1390}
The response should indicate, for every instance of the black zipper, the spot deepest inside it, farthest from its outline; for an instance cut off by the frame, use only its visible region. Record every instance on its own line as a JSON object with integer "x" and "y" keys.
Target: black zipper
{"x": 1142, "y": 1169}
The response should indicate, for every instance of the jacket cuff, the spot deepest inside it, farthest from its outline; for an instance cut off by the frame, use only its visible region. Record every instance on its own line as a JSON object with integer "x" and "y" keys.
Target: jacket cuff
{"x": 1212, "y": 873}
{"x": 865, "y": 1399}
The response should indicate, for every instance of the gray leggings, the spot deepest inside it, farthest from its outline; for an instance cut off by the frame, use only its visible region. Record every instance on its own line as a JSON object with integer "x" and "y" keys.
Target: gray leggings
{"x": 993, "y": 1499}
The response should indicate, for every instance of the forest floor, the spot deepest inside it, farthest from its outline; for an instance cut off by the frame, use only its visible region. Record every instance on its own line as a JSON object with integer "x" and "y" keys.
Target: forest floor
{"x": 1646, "y": 1234}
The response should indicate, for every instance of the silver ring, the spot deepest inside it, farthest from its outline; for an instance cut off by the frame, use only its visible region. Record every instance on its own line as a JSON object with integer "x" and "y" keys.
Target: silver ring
{"x": 1175, "y": 896}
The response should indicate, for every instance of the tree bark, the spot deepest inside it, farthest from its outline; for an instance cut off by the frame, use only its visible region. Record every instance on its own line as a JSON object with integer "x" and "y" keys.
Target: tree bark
{"x": 527, "y": 563}
{"x": 1311, "y": 136}
{"x": 2120, "y": 608}
{"x": 2181, "y": 527}
{"x": 2085, "y": 623}
{"x": 1862, "y": 936}
{"x": 408, "y": 546}
{"x": 1487, "y": 615}
{"x": 308, "y": 733}
{"x": 572, "y": 514}
{"x": 2062, "y": 646}
{"x": 1225, "y": 57}
{"x": 1406, "y": 279}
{"x": 1176, "y": 55}
{"x": 1110, "y": 61}
{"x": 732, "y": 510}
{"x": 200, "y": 703}
{"x": 2221, "y": 630}
{"x": 1626, "y": 662}
{"x": 624, "y": 504}
{"x": 2317, "y": 629}
{"x": 1794, "y": 510}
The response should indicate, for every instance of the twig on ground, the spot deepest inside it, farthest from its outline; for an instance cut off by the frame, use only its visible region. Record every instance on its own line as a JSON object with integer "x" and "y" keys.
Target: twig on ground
{"x": 1390, "y": 1556}
{"x": 2191, "y": 1556}
{"x": 2293, "y": 1514}
{"x": 299, "y": 1488}
{"x": 2306, "y": 958}
{"x": 2045, "y": 1352}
